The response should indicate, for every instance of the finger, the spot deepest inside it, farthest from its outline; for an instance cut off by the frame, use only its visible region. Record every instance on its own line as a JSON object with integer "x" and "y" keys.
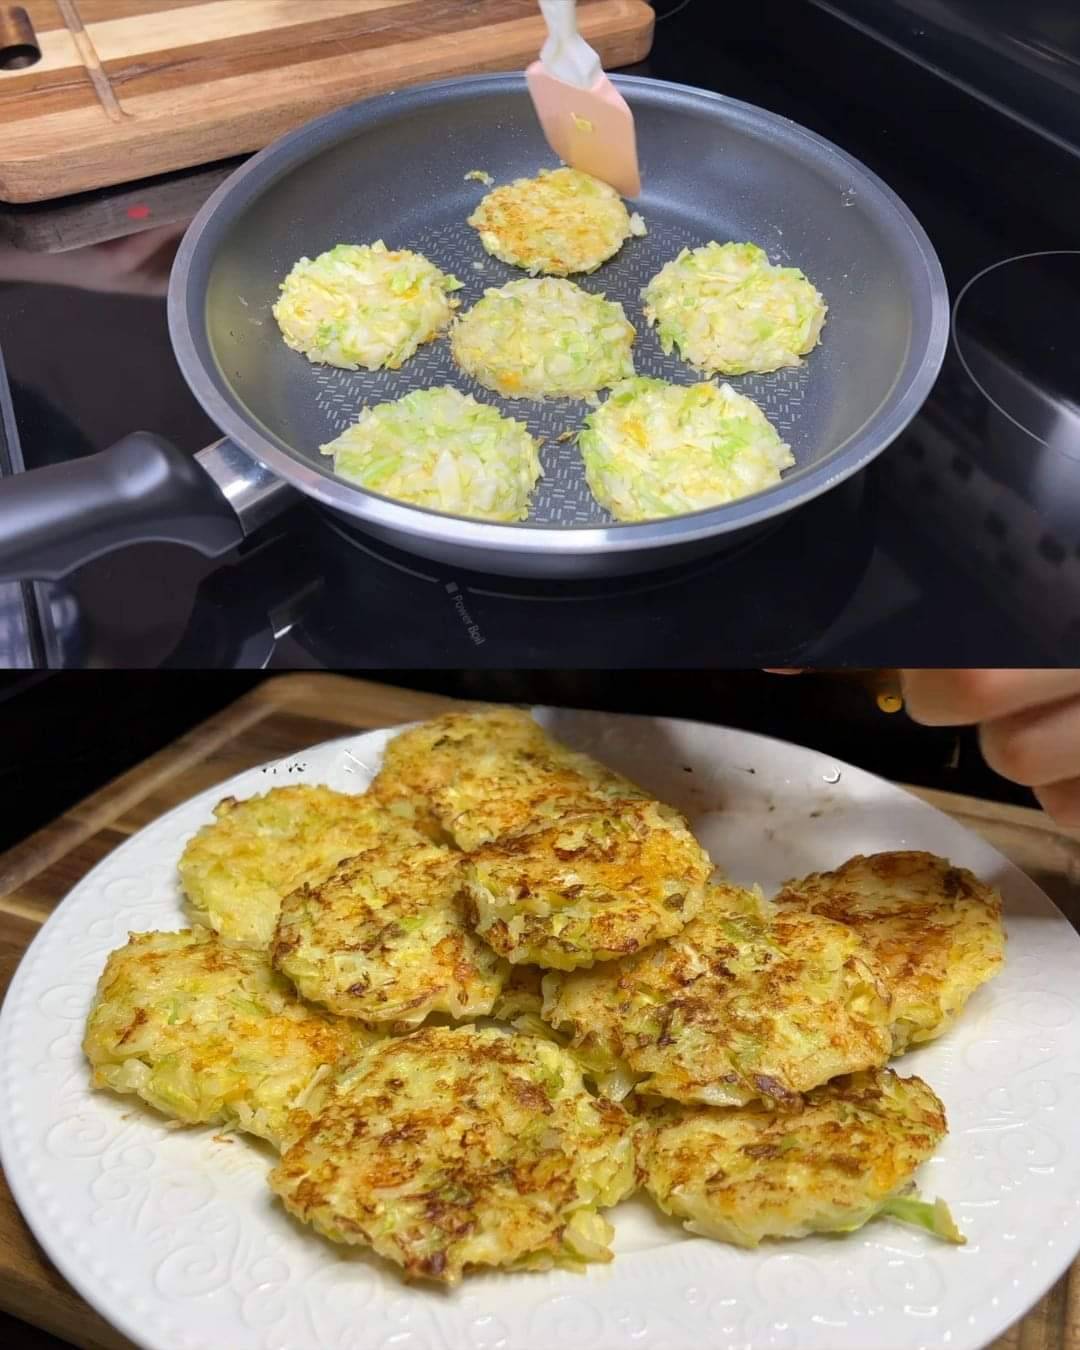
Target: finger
{"x": 140, "y": 284}
{"x": 1062, "y": 802}
{"x": 1036, "y": 747}
{"x": 130, "y": 252}
{"x": 133, "y": 271}
{"x": 781, "y": 670}
{"x": 941, "y": 698}
{"x": 98, "y": 267}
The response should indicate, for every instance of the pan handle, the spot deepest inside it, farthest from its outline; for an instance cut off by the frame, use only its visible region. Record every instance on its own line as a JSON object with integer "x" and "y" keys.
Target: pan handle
{"x": 141, "y": 490}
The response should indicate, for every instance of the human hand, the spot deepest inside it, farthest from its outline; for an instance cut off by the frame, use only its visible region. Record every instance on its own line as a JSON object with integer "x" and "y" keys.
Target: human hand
{"x": 138, "y": 264}
{"x": 1028, "y": 720}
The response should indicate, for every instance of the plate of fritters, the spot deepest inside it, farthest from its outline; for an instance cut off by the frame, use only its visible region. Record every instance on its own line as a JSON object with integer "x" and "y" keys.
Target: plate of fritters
{"x": 512, "y": 1029}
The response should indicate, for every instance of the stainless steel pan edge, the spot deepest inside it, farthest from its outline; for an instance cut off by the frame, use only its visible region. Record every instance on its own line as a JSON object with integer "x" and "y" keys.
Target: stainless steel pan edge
{"x": 430, "y": 532}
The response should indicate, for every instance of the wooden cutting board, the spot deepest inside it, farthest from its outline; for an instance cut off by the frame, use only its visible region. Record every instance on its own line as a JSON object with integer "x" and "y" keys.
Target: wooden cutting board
{"x": 277, "y": 719}
{"x": 123, "y": 89}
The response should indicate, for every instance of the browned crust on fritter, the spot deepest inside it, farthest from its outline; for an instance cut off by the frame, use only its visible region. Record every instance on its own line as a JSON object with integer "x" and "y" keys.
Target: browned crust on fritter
{"x": 454, "y": 1148}
{"x": 935, "y": 930}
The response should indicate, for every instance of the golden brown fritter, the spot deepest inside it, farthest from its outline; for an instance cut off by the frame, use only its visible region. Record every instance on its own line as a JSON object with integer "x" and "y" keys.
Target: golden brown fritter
{"x": 935, "y": 931}
{"x": 742, "y": 1004}
{"x": 848, "y": 1154}
{"x": 210, "y": 1034}
{"x": 490, "y": 772}
{"x": 597, "y": 886}
{"x": 384, "y": 939}
{"x": 457, "y": 1148}
{"x": 560, "y": 222}
{"x": 236, "y": 870}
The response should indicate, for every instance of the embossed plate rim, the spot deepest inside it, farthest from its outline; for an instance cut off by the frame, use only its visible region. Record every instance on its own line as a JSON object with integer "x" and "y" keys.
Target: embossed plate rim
{"x": 699, "y": 1293}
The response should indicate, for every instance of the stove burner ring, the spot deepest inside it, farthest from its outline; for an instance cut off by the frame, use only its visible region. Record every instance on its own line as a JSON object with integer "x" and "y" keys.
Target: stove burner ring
{"x": 1031, "y": 394}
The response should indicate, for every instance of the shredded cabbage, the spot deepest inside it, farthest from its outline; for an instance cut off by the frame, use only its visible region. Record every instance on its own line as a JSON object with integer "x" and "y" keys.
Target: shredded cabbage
{"x": 728, "y": 309}
{"x": 935, "y": 1218}
{"x": 530, "y": 1024}
{"x": 364, "y": 305}
{"x": 206, "y": 1032}
{"x": 442, "y": 449}
{"x": 616, "y": 1085}
{"x": 560, "y": 222}
{"x": 544, "y": 337}
{"x": 657, "y": 449}
{"x": 588, "y": 1236}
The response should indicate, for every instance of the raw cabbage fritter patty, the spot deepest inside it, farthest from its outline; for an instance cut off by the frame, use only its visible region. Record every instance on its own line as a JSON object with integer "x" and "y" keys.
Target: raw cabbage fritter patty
{"x": 383, "y": 939}
{"x": 847, "y": 1154}
{"x": 544, "y": 337}
{"x": 210, "y": 1034}
{"x": 560, "y": 222}
{"x": 594, "y": 886}
{"x": 935, "y": 931}
{"x": 236, "y": 870}
{"x": 441, "y": 449}
{"x": 488, "y": 772}
{"x": 728, "y": 310}
{"x": 743, "y": 1004}
{"x": 656, "y": 449}
{"x": 364, "y": 305}
{"x": 451, "y": 1149}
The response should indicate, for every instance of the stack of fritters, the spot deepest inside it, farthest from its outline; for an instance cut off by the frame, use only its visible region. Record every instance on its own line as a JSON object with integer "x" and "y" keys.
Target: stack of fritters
{"x": 741, "y": 1006}
{"x": 488, "y": 998}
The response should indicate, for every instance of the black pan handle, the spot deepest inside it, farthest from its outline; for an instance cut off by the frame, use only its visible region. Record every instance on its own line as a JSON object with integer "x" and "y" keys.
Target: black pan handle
{"x": 141, "y": 490}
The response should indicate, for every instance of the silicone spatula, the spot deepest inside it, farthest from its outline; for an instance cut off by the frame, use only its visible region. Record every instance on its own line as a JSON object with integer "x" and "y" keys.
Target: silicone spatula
{"x": 586, "y": 120}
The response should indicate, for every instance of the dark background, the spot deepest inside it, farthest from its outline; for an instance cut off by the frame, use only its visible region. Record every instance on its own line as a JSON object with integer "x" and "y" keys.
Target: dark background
{"x": 64, "y": 735}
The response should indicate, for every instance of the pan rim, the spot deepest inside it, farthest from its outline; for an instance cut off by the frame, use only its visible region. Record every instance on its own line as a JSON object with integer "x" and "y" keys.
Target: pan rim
{"x": 912, "y": 386}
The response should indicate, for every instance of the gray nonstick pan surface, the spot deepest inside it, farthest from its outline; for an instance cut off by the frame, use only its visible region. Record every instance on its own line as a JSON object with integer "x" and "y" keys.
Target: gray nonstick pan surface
{"x": 394, "y": 168}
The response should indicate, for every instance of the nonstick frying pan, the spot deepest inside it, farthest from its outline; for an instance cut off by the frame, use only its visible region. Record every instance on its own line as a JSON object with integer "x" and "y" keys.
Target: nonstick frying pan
{"x": 394, "y": 168}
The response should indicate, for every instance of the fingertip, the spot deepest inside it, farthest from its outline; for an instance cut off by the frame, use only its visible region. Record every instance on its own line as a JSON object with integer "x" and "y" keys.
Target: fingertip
{"x": 951, "y": 698}
{"x": 1061, "y": 801}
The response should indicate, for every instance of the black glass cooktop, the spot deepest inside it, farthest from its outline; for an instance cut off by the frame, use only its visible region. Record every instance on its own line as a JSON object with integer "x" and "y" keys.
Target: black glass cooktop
{"x": 960, "y": 545}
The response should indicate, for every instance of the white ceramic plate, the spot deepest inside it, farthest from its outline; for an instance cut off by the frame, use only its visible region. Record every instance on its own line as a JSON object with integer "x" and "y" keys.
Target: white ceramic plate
{"x": 175, "y": 1239}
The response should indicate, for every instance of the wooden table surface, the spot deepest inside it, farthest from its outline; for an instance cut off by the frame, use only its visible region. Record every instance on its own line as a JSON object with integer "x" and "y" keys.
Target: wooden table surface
{"x": 279, "y": 718}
